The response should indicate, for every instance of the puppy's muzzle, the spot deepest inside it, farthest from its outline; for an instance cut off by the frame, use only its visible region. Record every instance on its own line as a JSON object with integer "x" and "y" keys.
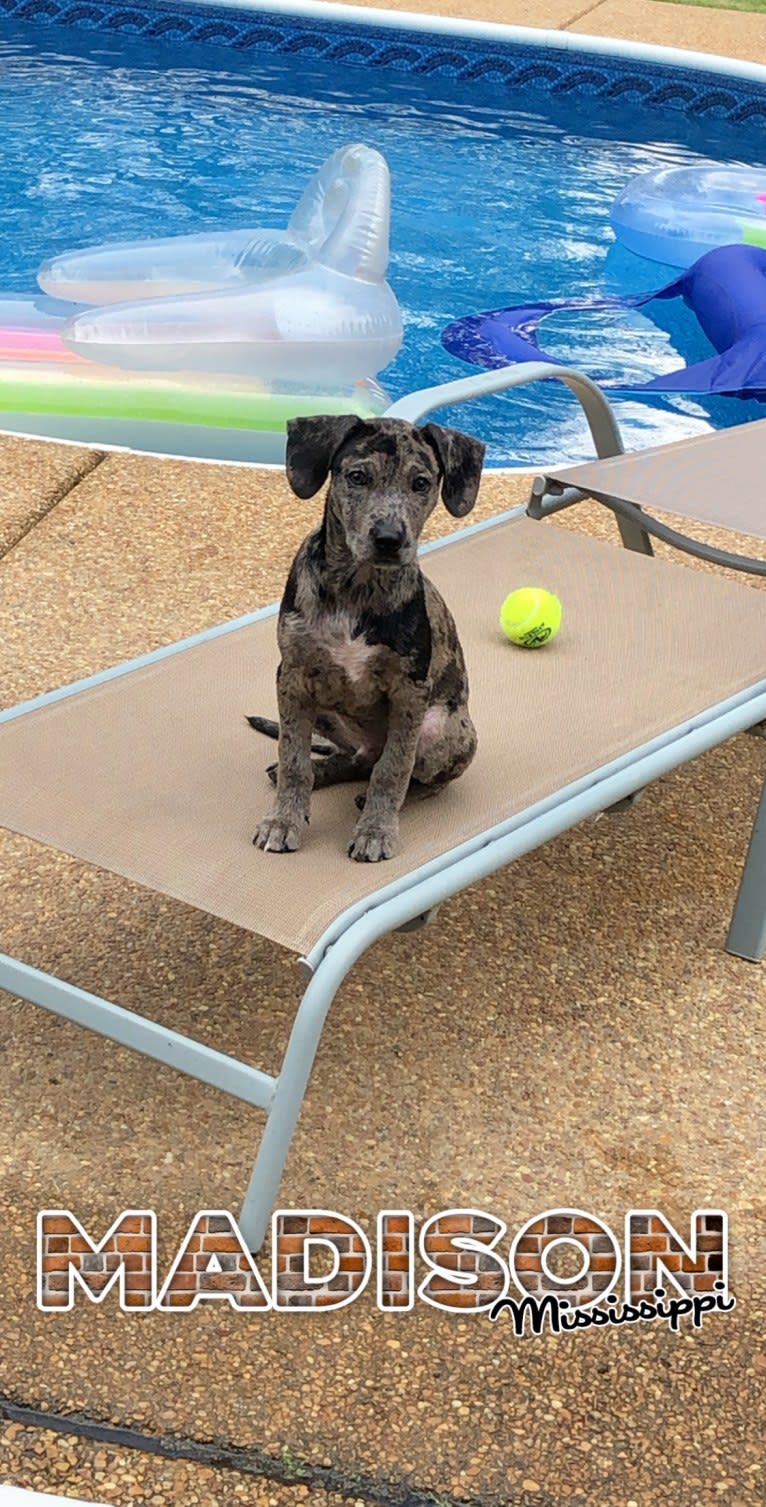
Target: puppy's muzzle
{"x": 388, "y": 541}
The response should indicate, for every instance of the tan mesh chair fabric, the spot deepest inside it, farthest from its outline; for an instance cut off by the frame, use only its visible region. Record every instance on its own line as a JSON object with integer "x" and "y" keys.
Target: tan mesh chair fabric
{"x": 712, "y": 478}
{"x": 156, "y": 775}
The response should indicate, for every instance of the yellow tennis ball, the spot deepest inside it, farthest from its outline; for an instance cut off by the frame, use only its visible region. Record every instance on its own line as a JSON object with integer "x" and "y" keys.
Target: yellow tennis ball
{"x": 530, "y": 617}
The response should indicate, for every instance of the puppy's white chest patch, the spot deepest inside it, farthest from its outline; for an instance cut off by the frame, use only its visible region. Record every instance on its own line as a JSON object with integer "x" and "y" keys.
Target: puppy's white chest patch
{"x": 352, "y": 655}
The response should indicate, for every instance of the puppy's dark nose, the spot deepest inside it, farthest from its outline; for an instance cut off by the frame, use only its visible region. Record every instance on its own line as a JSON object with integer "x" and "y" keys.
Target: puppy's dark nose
{"x": 387, "y": 540}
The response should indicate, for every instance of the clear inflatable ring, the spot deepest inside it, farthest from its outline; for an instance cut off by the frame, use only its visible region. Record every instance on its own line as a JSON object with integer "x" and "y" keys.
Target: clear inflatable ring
{"x": 676, "y": 214}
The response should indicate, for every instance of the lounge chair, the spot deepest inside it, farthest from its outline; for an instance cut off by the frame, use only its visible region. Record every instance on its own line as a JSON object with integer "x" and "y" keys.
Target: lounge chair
{"x": 175, "y": 777}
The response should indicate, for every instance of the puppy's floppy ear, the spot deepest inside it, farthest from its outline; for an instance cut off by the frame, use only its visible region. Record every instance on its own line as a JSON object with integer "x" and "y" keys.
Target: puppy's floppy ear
{"x": 460, "y": 457}
{"x": 311, "y": 445}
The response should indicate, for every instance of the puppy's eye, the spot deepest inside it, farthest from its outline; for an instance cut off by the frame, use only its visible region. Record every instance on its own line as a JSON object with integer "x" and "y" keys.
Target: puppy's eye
{"x": 421, "y": 483}
{"x": 357, "y": 478}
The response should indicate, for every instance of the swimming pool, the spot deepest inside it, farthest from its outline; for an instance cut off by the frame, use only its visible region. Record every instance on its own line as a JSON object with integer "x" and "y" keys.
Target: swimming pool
{"x": 505, "y": 157}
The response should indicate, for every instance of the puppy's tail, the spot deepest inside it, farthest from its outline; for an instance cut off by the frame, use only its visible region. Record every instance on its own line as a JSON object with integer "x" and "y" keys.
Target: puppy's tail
{"x": 270, "y": 729}
{"x": 265, "y": 725}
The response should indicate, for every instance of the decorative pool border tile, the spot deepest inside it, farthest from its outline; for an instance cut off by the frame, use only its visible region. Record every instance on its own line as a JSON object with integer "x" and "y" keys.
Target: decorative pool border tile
{"x": 509, "y": 66}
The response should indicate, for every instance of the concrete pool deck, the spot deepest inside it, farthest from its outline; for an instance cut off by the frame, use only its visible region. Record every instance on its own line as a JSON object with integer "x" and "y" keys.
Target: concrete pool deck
{"x": 596, "y": 1047}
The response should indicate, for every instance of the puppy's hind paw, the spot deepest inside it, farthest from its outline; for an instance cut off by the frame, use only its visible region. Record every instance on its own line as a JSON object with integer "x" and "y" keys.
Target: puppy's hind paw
{"x": 275, "y": 835}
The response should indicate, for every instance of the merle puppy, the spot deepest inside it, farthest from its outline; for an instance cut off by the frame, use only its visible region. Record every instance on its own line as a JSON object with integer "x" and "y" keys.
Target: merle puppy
{"x": 370, "y": 654}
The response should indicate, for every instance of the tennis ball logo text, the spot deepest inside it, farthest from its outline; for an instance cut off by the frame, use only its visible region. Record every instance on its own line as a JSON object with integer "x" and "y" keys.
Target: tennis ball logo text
{"x": 324, "y": 1260}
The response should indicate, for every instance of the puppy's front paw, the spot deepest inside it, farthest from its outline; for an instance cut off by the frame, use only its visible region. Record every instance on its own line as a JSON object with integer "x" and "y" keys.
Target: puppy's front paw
{"x": 372, "y": 843}
{"x": 277, "y": 835}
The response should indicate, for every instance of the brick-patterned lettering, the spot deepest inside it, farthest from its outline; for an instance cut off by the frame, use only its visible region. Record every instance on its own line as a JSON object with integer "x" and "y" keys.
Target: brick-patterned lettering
{"x": 597, "y": 1253}
{"x": 656, "y": 1256}
{"x": 68, "y": 1259}
{"x": 302, "y": 1236}
{"x": 465, "y": 1271}
{"x": 396, "y": 1261}
{"x": 213, "y": 1262}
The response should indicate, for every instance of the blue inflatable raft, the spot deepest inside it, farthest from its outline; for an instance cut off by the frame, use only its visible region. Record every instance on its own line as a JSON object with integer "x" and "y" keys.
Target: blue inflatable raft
{"x": 726, "y": 290}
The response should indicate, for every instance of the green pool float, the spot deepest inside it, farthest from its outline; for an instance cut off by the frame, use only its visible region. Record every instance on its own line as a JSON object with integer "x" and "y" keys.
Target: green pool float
{"x": 223, "y": 404}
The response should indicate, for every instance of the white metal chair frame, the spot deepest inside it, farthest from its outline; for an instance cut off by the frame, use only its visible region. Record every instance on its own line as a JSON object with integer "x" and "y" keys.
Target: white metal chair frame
{"x": 412, "y": 898}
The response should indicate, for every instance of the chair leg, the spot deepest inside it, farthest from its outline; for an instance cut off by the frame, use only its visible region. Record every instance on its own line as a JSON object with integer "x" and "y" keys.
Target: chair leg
{"x": 418, "y": 922}
{"x": 287, "y": 1099}
{"x": 633, "y": 537}
{"x": 281, "y": 1097}
{"x": 747, "y": 933}
{"x": 627, "y": 803}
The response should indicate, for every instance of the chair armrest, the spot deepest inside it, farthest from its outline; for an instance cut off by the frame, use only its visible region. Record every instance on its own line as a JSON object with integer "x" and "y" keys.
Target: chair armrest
{"x": 607, "y": 440}
{"x": 542, "y": 503}
{"x": 598, "y": 411}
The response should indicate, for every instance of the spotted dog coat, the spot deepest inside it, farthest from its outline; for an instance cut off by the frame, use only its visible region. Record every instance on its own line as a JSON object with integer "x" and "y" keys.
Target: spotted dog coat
{"x": 371, "y": 659}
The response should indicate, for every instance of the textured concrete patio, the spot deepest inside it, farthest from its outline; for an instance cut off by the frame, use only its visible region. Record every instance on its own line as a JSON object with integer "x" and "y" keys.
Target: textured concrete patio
{"x": 569, "y": 1032}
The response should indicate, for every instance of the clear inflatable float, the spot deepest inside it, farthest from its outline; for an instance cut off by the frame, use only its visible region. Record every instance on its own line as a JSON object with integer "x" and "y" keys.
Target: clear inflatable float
{"x": 232, "y": 331}
{"x": 674, "y": 215}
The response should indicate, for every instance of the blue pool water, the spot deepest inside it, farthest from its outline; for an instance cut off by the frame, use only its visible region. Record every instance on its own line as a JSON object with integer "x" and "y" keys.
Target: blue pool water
{"x": 495, "y": 200}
